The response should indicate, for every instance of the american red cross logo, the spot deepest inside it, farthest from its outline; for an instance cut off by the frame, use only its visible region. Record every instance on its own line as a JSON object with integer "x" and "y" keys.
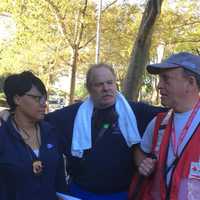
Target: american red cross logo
{"x": 194, "y": 168}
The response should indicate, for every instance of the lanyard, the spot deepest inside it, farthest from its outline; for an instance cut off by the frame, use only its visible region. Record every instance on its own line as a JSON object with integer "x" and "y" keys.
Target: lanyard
{"x": 175, "y": 143}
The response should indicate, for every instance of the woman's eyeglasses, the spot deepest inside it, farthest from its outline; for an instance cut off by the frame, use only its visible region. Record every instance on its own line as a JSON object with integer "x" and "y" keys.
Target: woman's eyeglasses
{"x": 38, "y": 98}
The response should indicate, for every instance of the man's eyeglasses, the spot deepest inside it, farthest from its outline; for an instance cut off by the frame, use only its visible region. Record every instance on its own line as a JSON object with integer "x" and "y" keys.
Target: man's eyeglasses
{"x": 38, "y": 98}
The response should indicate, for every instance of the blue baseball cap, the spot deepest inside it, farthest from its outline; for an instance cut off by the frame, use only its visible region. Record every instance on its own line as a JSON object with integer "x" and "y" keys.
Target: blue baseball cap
{"x": 185, "y": 60}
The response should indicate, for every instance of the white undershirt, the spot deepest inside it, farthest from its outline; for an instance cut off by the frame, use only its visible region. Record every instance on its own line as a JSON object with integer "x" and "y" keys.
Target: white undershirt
{"x": 180, "y": 120}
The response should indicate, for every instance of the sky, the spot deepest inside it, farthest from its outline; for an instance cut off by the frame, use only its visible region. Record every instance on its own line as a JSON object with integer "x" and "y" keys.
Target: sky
{"x": 7, "y": 27}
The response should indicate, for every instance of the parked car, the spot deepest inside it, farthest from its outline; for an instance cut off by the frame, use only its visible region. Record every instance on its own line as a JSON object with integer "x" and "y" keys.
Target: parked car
{"x": 55, "y": 102}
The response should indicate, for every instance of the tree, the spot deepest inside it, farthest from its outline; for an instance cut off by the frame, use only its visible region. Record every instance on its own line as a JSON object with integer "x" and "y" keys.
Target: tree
{"x": 50, "y": 37}
{"x": 77, "y": 30}
{"x": 48, "y": 32}
{"x": 140, "y": 52}
{"x": 117, "y": 35}
{"x": 177, "y": 29}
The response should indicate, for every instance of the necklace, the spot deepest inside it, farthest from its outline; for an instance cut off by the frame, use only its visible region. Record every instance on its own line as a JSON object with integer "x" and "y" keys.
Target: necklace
{"x": 37, "y": 164}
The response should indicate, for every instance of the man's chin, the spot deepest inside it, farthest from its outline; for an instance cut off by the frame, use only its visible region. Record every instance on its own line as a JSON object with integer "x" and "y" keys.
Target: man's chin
{"x": 107, "y": 104}
{"x": 165, "y": 104}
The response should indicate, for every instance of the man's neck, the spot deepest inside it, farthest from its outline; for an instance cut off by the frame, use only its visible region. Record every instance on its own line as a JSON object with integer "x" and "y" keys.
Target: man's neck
{"x": 186, "y": 106}
{"x": 103, "y": 107}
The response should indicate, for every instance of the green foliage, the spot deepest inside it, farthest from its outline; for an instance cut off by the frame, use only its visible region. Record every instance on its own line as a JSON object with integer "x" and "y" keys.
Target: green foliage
{"x": 1, "y": 83}
{"x": 47, "y": 35}
{"x": 2, "y": 100}
{"x": 80, "y": 92}
{"x": 178, "y": 27}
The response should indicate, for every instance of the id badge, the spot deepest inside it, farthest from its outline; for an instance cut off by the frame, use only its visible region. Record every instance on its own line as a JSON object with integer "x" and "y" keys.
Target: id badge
{"x": 195, "y": 170}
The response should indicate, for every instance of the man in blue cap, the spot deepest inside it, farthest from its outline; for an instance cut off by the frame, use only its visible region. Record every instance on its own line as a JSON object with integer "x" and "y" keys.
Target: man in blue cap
{"x": 174, "y": 137}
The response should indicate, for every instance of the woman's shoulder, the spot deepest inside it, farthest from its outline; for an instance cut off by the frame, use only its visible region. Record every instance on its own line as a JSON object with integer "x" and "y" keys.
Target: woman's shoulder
{"x": 3, "y": 134}
{"x": 3, "y": 127}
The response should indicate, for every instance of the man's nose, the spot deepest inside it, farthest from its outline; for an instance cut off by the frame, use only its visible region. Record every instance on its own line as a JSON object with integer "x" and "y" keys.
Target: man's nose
{"x": 105, "y": 86}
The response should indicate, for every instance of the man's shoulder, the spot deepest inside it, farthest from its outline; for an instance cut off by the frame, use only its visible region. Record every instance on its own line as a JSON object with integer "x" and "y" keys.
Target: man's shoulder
{"x": 63, "y": 115}
{"x": 146, "y": 107}
{"x": 71, "y": 109}
{"x": 6, "y": 126}
{"x": 3, "y": 126}
{"x": 139, "y": 104}
{"x": 144, "y": 113}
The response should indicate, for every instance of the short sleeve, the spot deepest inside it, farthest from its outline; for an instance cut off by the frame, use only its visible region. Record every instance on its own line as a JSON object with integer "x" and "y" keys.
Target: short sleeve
{"x": 147, "y": 139}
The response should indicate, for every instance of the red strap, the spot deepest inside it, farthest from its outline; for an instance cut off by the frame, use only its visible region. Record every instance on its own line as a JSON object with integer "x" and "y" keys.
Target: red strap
{"x": 159, "y": 119}
{"x": 136, "y": 177}
{"x": 176, "y": 143}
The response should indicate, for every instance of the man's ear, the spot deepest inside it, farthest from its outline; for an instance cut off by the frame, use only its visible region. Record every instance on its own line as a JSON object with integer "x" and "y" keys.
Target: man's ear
{"x": 87, "y": 87}
{"x": 192, "y": 80}
{"x": 193, "y": 85}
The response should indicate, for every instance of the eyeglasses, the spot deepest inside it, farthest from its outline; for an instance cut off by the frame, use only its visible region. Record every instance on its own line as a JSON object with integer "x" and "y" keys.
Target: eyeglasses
{"x": 38, "y": 98}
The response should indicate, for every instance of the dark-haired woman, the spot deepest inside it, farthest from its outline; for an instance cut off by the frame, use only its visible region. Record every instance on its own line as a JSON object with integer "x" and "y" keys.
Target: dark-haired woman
{"x": 31, "y": 163}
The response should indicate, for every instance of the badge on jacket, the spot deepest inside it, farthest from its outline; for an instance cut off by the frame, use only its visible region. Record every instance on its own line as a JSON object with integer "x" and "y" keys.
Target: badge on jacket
{"x": 195, "y": 170}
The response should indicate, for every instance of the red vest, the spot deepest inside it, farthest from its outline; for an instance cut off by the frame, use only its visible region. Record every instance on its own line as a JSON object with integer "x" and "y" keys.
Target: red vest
{"x": 185, "y": 181}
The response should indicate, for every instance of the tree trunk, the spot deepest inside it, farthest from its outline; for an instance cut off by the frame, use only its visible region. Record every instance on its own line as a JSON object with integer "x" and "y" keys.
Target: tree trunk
{"x": 73, "y": 75}
{"x": 140, "y": 52}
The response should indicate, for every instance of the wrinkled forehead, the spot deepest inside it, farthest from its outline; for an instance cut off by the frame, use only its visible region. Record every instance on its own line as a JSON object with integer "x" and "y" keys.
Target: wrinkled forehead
{"x": 101, "y": 74}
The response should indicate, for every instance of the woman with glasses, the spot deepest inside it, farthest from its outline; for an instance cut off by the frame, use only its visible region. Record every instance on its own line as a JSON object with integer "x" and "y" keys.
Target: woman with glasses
{"x": 31, "y": 163}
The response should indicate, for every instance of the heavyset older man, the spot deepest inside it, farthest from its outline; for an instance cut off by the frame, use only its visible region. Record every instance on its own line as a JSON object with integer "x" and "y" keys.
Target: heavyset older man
{"x": 99, "y": 137}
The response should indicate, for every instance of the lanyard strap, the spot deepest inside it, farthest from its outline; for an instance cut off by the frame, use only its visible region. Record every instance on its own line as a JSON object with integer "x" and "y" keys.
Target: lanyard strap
{"x": 175, "y": 143}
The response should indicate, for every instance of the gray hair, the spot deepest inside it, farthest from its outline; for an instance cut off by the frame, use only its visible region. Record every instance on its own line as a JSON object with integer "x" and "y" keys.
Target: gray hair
{"x": 195, "y": 75}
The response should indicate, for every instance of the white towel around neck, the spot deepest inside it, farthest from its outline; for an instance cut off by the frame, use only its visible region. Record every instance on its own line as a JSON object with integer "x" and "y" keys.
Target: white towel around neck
{"x": 81, "y": 139}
